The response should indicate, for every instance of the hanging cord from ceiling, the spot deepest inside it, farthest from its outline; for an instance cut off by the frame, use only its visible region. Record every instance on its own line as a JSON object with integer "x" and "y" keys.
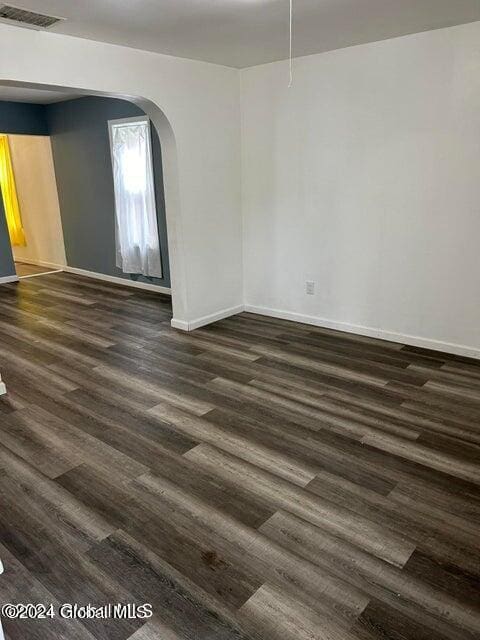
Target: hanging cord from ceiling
{"x": 291, "y": 45}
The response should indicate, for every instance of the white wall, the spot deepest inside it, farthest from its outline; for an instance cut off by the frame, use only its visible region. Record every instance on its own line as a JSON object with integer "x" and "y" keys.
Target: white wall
{"x": 38, "y": 199}
{"x": 364, "y": 177}
{"x": 201, "y": 151}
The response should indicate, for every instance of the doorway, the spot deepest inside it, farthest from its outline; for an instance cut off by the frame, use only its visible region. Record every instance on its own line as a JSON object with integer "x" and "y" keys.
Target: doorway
{"x": 165, "y": 164}
{"x": 30, "y": 199}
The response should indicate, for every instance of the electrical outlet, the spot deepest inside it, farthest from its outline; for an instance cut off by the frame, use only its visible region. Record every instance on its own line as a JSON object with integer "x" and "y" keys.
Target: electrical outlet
{"x": 310, "y": 287}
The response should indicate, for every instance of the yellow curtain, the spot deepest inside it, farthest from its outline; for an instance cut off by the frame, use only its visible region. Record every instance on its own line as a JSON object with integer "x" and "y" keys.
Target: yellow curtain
{"x": 9, "y": 194}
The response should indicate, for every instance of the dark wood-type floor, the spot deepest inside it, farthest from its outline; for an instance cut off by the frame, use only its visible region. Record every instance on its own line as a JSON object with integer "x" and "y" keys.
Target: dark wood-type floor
{"x": 25, "y": 269}
{"x": 256, "y": 479}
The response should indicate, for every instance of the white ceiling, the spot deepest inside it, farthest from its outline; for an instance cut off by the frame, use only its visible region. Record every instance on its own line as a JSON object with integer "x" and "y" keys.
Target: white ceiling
{"x": 242, "y": 33}
{"x": 39, "y": 96}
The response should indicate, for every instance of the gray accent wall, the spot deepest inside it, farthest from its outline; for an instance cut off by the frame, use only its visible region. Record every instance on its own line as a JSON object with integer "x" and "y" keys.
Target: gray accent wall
{"x": 83, "y": 168}
{"x": 7, "y": 267}
{"x": 23, "y": 118}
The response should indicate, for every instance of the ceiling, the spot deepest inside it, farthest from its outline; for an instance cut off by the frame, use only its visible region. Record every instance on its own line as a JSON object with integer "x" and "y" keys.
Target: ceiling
{"x": 39, "y": 96}
{"x": 242, "y": 33}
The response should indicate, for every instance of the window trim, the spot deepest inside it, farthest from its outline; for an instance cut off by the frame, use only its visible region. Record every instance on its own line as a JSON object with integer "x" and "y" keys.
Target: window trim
{"x": 126, "y": 121}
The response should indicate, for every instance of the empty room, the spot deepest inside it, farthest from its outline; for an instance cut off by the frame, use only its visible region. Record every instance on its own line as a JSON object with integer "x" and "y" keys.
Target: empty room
{"x": 240, "y": 320}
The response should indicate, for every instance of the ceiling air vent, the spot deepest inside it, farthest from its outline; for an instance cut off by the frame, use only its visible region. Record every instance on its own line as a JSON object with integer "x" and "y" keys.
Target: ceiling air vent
{"x": 23, "y": 17}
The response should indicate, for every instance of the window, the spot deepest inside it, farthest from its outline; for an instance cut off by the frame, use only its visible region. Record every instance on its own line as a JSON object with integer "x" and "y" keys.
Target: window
{"x": 136, "y": 228}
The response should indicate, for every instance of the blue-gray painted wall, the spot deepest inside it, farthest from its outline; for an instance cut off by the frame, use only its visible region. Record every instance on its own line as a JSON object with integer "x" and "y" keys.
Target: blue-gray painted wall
{"x": 7, "y": 268}
{"x": 83, "y": 168}
{"x": 23, "y": 117}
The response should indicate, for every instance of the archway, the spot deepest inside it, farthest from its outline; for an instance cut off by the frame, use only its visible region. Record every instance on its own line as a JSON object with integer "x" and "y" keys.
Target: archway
{"x": 171, "y": 184}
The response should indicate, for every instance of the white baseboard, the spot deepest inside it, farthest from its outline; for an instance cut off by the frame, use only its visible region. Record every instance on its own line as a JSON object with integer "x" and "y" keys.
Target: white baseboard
{"x": 414, "y": 341}
{"x": 35, "y": 275}
{"x": 116, "y": 280}
{"x": 7, "y": 279}
{"x": 183, "y": 325}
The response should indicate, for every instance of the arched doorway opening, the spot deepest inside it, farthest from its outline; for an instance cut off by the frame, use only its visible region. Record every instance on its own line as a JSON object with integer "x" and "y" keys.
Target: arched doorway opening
{"x": 170, "y": 181}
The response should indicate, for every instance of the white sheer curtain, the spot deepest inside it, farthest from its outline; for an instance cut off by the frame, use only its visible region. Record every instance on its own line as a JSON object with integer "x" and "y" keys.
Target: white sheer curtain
{"x": 137, "y": 243}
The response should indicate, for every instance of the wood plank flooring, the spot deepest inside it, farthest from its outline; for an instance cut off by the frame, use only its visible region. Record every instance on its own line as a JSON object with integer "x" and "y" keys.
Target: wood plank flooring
{"x": 253, "y": 480}
{"x": 25, "y": 269}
